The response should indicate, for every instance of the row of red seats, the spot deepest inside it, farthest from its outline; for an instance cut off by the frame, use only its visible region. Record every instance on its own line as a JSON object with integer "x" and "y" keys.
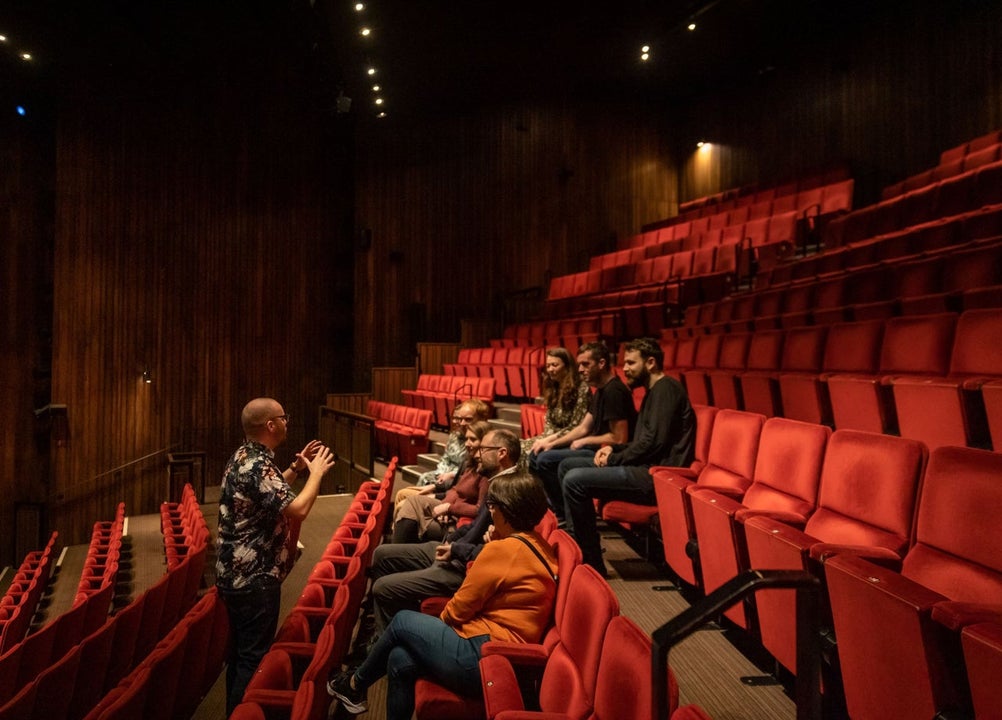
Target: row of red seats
{"x": 752, "y": 194}
{"x": 935, "y": 378}
{"x": 100, "y": 568}
{"x": 183, "y": 526}
{"x": 569, "y": 332}
{"x": 782, "y": 494}
{"x": 167, "y": 683}
{"x": 967, "y": 156}
{"x": 20, "y": 601}
{"x": 401, "y": 431}
{"x": 316, "y": 635}
{"x": 90, "y": 658}
{"x": 818, "y": 201}
{"x": 959, "y": 195}
{"x": 949, "y": 279}
{"x": 441, "y": 393}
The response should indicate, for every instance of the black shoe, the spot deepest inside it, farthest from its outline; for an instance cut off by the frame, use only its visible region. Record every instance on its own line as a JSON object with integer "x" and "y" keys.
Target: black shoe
{"x": 352, "y": 700}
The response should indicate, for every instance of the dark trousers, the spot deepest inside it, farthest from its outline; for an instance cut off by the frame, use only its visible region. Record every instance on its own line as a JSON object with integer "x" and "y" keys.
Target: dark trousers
{"x": 253, "y": 620}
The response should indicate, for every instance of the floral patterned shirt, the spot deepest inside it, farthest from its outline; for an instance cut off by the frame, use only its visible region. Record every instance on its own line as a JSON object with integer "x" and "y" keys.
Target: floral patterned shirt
{"x": 253, "y": 531}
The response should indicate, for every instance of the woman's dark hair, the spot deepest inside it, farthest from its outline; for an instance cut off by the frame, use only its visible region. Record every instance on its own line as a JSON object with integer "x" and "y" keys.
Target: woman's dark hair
{"x": 520, "y": 498}
{"x": 563, "y": 392}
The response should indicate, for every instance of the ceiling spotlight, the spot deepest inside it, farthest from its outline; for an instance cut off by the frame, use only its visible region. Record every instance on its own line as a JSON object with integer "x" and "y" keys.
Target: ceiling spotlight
{"x": 3, "y": 38}
{"x": 691, "y": 26}
{"x": 365, "y": 32}
{"x": 645, "y": 56}
{"x": 379, "y": 101}
{"x": 645, "y": 49}
{"x": 376, "y": 88}
{"x": 359, "y": 7}
{"x": 26, "y": 56}
{"x": 381, "y": 114}
{"x": 371, "y": 71}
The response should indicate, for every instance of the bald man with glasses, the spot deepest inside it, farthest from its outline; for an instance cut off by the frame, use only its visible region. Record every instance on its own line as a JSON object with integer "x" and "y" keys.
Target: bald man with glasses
{"x": 257, "y": 510}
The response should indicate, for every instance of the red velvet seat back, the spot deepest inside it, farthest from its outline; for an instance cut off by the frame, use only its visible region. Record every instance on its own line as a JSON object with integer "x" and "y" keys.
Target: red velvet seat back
{"x": 868, "y": 489}
{"x": 958, "y": 548}
{"x": 624, "y": 690}
{"x": 568, "y": 683}
{"x": 977, "y": 347}
{"x": 919, "y": 344}
{"x": 733, "y": 449}
{"x": 788, "y": 467}
{"x": 853, "y": 347}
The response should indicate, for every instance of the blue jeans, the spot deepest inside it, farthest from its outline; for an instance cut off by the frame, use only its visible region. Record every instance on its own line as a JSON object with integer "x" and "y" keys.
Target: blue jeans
{"x": 418, "y": 645}
{"x": 582, "y": 482}
{"x": 545, "y": 466}
{"x": 253, "y": 618}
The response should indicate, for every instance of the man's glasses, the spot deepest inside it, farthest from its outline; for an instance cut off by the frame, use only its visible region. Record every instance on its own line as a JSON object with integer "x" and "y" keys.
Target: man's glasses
{"x": 487, "y": 447}
{"x": 462, "y": 419}
{"x": 287, "y": 418}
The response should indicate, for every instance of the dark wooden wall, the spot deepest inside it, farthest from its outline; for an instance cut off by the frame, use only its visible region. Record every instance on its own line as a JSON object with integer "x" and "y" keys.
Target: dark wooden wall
{"x": 198, "y": 237}
{"x": 27, "y": 159}
{"x": 885, "y": 98}
{"x": 467, "y": 208}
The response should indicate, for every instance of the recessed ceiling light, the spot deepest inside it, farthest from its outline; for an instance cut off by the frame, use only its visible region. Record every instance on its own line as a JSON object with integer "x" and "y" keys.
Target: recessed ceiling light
{"x": 379, "y": 101}
{"x": 375, "y": 88}
{"x": 692, "y": 26}
{"x": 26, "y": 56}
{"x": 381, "y": 115}
{"x": 645, "y": 49}
{"x": 365, "y": 32}
{"x": 3, "y": 38}
{"x": 371, "y": 71}
{"x": 645, "y": 56}
{"x": 359, "y": 7}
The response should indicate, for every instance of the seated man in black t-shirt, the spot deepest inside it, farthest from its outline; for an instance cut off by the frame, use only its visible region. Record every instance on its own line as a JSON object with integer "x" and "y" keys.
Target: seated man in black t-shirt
{"x": 610, "y": 420}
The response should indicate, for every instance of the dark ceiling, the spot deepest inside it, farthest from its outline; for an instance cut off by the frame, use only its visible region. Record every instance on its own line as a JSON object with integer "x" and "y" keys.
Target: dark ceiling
{"x": 438, "y": 54}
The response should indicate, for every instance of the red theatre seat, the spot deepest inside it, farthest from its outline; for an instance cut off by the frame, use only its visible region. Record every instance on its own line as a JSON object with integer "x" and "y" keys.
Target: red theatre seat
{"x": 730, "y": 463}
{"x": 982, "y": 645}
{"x": 867, "y": 493}
{"x": 784, "y": 486}
{"x": 948, "y": 409}
{"x": 896, "y": 660}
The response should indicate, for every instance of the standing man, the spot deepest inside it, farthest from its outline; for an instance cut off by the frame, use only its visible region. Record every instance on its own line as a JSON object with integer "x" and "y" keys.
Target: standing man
{"x": 665, "y": 433}
{"x": 256, "y": 506}
{"x": 404, "y": 574}
{"x": 610, "y": 420}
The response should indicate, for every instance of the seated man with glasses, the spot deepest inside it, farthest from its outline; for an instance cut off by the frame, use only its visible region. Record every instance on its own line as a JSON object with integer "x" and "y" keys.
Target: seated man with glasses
{"x": 405, "y": 574}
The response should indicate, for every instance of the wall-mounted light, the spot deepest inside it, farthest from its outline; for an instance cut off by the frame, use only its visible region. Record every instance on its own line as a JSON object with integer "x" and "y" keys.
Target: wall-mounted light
{"x": 147, "y": 377}
{"x": 701, "y": 144}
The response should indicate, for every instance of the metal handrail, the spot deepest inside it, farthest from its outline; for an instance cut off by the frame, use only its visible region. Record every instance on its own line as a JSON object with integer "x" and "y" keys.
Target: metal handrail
{"x": 808, "y": 587}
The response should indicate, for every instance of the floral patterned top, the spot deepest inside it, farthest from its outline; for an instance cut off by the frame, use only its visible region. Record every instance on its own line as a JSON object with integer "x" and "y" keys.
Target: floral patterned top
{"x": 559, "y": 421}
{"x": 452, "y": 459}
{"x": 253, "y": 531}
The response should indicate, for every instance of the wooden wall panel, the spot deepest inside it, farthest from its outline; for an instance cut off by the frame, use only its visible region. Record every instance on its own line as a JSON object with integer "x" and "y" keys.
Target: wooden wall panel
{"x": 468, "y": 208}
{"x": 200, "y": 243}
{"x": 885, "y": 99}
{"x": 27, "y": 178}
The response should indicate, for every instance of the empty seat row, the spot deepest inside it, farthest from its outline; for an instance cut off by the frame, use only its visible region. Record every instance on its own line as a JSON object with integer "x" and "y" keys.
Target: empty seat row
{"x": 21, "y": 599}
{"x": 401, "y": 430}
{"x": 932, "y": 377}
{"x": 776, "y": 494}
{"x": 968, "y": 156}
{"x": 961, "y": 194}
{"x": 948, "y": 279}
{"x": 103, "y": 553}
{"x": 183, "y": 526}
{"x": 441, "y": 393}
{"x": 515, "y": 367}
{"x": 314, "y": 638}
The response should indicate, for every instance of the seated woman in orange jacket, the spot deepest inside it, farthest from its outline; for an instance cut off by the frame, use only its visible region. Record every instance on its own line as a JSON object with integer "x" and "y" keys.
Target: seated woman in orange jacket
{"x": 508, "y": 594}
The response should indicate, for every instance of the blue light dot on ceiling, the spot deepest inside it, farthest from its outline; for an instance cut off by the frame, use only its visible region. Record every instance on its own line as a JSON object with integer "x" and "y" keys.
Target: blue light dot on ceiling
{"x": 21, "y": 111}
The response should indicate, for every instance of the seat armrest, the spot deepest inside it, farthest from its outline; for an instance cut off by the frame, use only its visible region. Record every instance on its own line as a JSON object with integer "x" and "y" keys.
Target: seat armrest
{"x": 729, "y": 492}
{"x": 957, "y": 615}
{"x": 795, "y": 520}
{"x": 876, "y": 555}
{"x": 522, "y": 654}
{"x": 434, "y": 605}
{"x": 500, "y": 686}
